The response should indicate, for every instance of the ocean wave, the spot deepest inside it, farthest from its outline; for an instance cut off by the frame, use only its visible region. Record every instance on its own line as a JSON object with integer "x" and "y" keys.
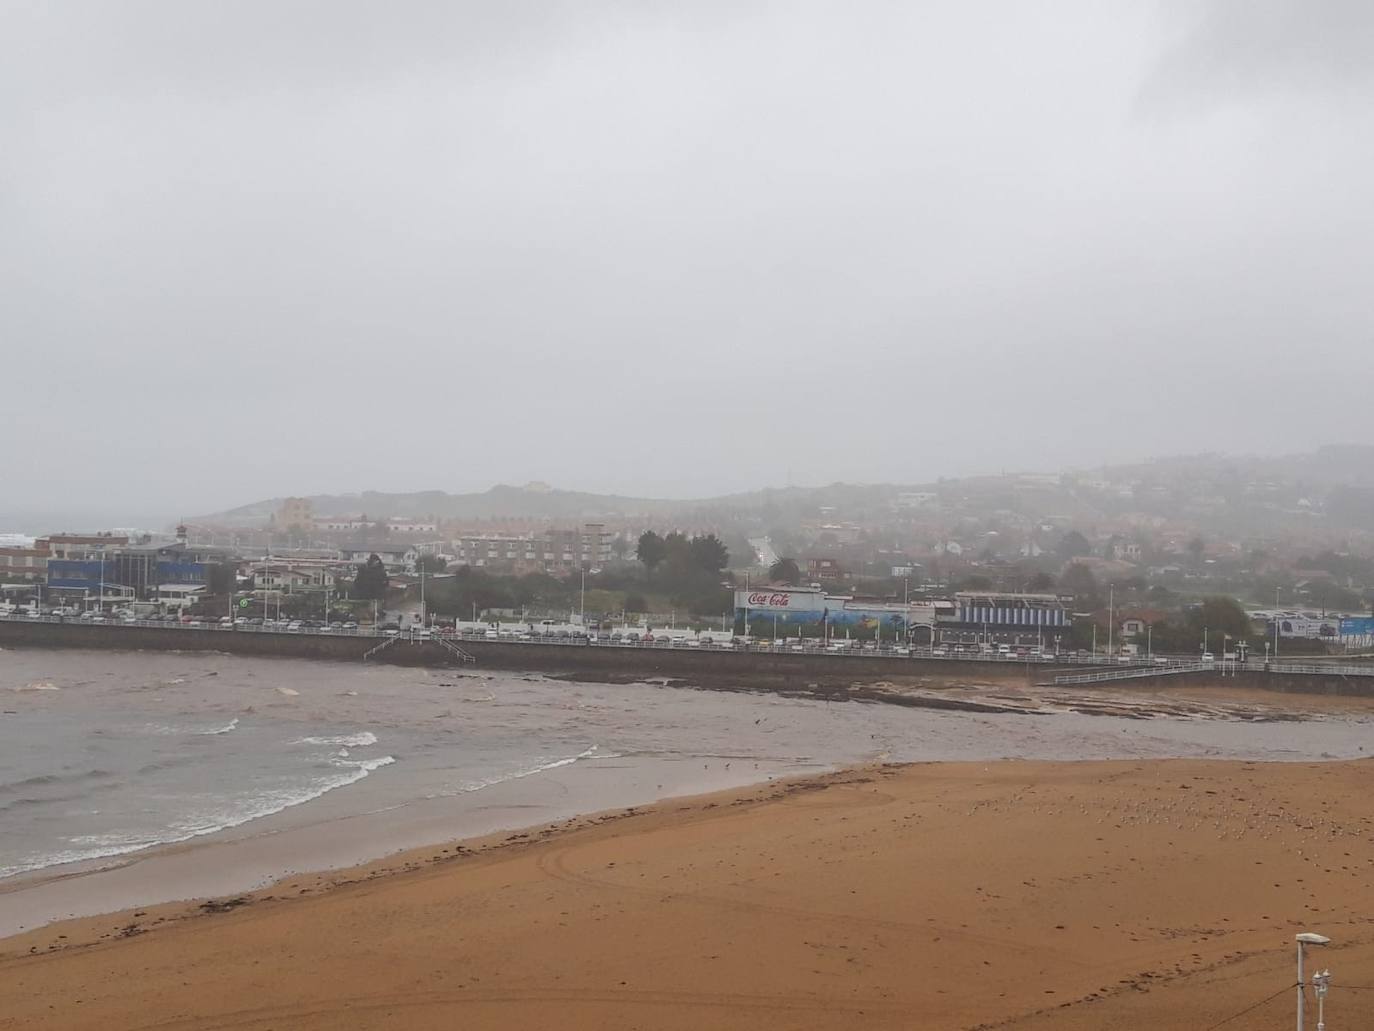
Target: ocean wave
{"x": 36, "y": 685}
{"x": 541, "y": 767}
{"x": 105, "y": 846}
{"x": 171, "y": 763}
{"x": 54, "y": 778}
{"x": 359, "y": 740}
{"x": 220, "y": 730}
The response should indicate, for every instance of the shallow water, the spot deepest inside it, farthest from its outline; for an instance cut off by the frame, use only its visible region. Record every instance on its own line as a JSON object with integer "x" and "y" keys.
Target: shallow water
{"x": 104, "y": 755}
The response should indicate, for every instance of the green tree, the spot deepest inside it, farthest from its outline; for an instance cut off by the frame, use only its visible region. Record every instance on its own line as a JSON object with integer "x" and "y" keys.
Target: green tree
{"x": 371, "y": 581}
{"x": 1040, "y": 583}
{"x": 1219, "y": 615}
{"x": 1078, "y": 581}
{"x": 634, "y": 602}
{"x": 431, "y": 564}
{"x": 651, "y": 550}
{"x": 677, "y": 554}
{"x": 785, "y": 571}
{"x": 709, "y": 553}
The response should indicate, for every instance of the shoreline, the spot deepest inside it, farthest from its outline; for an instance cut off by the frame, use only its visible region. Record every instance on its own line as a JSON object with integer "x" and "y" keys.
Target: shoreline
{"x": 1080, "y": 894}
{"x": 127, "y": 921}
{"x": 251, "y": 857}
{"x": 378, "y": 817}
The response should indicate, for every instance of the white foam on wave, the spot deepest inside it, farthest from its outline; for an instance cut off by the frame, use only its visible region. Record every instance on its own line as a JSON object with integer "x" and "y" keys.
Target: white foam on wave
{"x": 36, "y": 685}
{"x": 219, "y": 730}
{"x": 542, "y": 767}
{"x": 104, "y": 846}
{"x": 359, "y": 740}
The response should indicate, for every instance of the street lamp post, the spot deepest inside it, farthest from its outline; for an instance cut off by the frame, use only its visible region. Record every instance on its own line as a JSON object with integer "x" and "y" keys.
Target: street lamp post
{"x": 1305, "y": 939}
{"x": 1276, "y": 624}
{"x": 1111, "y": 616}
{"x": 746, "y": 606}
{"x": 1321, "y": 982}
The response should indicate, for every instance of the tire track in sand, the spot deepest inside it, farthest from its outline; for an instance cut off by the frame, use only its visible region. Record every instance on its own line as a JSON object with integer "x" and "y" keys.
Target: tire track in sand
{"x": 290, "y": 1015}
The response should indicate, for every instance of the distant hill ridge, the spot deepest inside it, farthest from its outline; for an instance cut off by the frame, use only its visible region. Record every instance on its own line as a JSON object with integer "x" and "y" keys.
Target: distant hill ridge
{"x": 1339, "y": 470}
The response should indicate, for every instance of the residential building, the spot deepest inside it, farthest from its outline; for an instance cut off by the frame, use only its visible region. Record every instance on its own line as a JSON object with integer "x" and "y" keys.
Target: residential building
{"x": 24, "y": 564}
{"x": 553, "y": 551}
{"x": 290, "y": 577}
{"x": 825, "y": 569}
{"x": 80, "y": 545}
{"x": 342, "y": 523}
{"x": 294, "y": 513}
{"x": 398, "y": 558}
{"x": 179, "y": 596}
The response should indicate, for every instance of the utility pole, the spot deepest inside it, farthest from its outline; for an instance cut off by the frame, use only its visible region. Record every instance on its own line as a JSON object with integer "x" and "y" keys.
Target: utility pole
{"x": 1111, "y": 616}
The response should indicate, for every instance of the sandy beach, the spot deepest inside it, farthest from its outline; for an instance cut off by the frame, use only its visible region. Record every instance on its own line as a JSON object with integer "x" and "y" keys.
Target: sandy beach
{"x": 1123, "y": 894}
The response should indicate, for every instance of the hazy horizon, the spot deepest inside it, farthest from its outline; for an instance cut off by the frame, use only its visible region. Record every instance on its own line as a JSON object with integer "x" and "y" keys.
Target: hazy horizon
{"x": 83, "y": 516}
{"x": 670, "y": 250}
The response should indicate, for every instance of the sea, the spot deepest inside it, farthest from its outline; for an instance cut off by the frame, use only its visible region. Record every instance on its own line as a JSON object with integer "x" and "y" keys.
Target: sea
{"x": 108, "y": 757}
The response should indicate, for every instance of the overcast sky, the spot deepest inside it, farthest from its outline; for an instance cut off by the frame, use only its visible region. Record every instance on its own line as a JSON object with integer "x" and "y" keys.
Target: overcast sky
{"x": 261, "y": 248}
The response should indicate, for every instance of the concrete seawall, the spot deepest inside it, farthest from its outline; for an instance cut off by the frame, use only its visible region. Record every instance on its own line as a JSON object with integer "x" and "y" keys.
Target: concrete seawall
{"x": 710, "y": 667}
{"x": 1289, "y": 683}
{"x": 824, "y": 675}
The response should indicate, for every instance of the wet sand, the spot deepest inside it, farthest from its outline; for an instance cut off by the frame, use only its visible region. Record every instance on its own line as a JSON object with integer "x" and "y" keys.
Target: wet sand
{"x": 1125, "y": 894}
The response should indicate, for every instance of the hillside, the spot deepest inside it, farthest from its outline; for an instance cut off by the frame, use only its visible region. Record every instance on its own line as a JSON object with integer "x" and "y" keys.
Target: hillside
{"x": 1332, "y": 487}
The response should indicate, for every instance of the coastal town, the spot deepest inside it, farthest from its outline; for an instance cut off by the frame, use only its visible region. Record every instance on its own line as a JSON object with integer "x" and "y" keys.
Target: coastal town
{"x": 616, "y": 516}
{"x": 970, "y": 567}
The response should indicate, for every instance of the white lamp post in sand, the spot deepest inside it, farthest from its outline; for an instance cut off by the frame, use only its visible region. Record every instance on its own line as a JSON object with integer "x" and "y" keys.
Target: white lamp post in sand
{"x": 1303, "y": 940}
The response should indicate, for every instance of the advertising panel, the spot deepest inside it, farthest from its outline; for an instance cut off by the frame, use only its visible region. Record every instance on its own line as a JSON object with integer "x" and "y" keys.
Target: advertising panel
{"x": 1304, "y": 627}
{"x": 1357, "y": 626}
{"x": 815, "y": 608}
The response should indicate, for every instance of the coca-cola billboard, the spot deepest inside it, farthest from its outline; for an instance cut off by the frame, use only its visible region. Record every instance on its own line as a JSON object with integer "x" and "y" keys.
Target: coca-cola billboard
{"x": 764, "y": 600}
{"x": 790, "y": 604}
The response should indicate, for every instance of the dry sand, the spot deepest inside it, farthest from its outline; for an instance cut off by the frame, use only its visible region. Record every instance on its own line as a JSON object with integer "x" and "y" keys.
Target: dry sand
{"x": 1022, "y": 895}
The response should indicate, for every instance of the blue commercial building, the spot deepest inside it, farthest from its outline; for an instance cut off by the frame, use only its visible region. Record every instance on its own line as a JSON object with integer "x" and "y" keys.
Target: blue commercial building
{"x": 132, "y": 571}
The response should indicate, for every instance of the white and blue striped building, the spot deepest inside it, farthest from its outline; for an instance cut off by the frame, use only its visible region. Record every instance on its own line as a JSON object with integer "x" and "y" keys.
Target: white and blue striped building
{"x": 1006, "y": 618}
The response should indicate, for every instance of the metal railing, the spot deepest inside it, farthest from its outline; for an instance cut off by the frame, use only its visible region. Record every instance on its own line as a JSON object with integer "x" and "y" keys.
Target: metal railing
{"x": 1117, "y": 667}
{"x": 1134, "y": 673}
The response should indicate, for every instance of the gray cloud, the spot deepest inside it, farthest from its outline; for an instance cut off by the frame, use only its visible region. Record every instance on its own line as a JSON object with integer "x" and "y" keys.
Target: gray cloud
{"x": 1226, "y": 51}
{"x": 667, "y": 248}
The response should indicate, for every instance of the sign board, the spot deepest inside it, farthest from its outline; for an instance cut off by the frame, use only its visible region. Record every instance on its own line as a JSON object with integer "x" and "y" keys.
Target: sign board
{"x": 1302, "y": 627}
